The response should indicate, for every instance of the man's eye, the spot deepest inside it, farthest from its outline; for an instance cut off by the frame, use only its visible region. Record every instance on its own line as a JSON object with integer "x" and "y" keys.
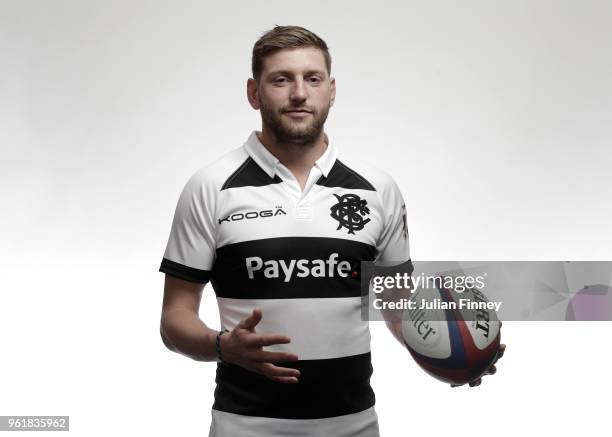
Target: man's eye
{"x": 314, "y": 80}
{"x": 280, "y": 80}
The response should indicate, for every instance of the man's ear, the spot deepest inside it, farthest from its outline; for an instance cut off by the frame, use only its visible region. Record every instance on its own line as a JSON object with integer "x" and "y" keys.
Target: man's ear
{"x": 252, "y": 93}
{"x": 332, "y": 84}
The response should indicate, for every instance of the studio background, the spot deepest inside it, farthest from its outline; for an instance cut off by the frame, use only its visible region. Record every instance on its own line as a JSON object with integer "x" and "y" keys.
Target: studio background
{"x": 492, "y": 116}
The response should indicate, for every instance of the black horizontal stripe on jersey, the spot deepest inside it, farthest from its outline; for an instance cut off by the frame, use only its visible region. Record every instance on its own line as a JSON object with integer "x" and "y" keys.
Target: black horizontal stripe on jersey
{"x": 343, "y": 176}
{"x": 230, "y": 276}
{"x": 249, "y": 174}
{"x": 186, "y": 273}
{"x": 326, "y": 388}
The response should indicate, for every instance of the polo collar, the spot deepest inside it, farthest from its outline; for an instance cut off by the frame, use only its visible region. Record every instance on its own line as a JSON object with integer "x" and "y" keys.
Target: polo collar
{"x": 269, "y": 163}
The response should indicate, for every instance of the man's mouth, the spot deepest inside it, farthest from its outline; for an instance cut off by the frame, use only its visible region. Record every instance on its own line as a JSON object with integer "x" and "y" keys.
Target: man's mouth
{"x": 297, "y": 113}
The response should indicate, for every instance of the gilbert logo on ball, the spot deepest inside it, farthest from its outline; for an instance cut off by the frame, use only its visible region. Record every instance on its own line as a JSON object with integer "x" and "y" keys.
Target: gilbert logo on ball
{"x": 451, "y": 335}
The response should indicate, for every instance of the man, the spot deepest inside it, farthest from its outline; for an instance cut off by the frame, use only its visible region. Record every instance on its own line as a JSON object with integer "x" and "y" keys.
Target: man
{"x": 279, "y": 227}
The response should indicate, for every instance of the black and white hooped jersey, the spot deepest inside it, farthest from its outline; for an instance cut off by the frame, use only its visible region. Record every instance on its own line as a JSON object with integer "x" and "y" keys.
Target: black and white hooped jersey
{"x": 244, "y": 224}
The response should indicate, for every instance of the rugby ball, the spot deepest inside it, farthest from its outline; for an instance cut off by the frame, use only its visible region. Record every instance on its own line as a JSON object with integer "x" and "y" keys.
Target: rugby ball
{"x": 452, "y": 336}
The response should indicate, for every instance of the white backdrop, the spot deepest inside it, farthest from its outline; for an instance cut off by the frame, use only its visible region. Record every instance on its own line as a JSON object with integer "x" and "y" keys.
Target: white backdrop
{"x": 493, "y": 117}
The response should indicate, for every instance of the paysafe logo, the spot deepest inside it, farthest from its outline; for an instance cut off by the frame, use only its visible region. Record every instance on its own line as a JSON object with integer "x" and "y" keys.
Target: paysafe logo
{"x": 301, "y": 268}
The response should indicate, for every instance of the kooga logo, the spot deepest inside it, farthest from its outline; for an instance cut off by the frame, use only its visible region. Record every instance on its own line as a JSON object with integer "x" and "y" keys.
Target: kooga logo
{"x": 253, "y": 215}
{"x": 302, "y": 268}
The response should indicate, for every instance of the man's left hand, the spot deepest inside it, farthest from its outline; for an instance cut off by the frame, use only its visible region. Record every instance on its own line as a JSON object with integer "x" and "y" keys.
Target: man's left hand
{"x": 490, "y": 371}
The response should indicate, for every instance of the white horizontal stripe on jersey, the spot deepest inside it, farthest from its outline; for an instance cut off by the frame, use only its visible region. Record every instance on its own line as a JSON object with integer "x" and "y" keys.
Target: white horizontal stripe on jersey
{"x": 362, "y": 424}
{"x": 318, "y": 328}
{"x": 257, "y": 213}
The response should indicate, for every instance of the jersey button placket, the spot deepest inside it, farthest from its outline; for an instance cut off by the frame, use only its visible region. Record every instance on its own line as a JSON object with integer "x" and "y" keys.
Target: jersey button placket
{"x": 302, "y": 208}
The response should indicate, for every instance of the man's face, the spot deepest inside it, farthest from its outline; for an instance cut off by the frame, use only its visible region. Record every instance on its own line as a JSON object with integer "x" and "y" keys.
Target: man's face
{"x": 294, "y": 94}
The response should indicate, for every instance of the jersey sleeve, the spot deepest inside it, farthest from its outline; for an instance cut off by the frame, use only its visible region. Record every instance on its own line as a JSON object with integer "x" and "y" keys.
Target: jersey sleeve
{"x": 393, "y": 244}
{"x": 191, "y": 249}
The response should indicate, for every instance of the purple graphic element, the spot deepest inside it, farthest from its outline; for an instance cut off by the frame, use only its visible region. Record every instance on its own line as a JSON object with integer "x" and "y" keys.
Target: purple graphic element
{"x": 593, "y": 302}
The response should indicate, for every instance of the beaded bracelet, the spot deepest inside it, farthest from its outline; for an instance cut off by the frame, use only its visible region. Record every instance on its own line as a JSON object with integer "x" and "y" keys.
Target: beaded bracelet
{"x": 218, "y": 345}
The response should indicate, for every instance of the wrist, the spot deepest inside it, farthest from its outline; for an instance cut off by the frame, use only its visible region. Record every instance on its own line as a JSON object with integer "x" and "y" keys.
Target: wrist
{"x": 219, "y": 345}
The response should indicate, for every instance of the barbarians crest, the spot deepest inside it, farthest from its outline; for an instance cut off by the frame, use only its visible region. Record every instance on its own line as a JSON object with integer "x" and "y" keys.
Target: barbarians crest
{"x": 350, "y": 212}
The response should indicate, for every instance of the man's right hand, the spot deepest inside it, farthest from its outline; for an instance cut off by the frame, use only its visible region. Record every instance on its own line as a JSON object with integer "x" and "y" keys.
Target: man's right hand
{"x": 242, "y": 346}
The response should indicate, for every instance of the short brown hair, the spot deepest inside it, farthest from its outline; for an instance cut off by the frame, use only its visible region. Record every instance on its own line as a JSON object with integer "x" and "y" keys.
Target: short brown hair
{"x": 282, "y": 37}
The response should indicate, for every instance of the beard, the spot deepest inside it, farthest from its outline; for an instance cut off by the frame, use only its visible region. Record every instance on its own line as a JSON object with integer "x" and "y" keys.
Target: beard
{"x": 293, "y": 131}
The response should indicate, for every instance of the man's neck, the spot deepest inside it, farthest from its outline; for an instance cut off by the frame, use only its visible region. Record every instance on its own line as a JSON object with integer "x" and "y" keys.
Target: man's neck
{"x": 299, "y": 158}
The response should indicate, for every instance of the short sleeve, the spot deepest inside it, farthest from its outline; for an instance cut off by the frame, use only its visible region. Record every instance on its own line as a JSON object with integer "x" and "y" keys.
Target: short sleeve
{"x": 190, "y": 252}
{"x": 393, "y": 244}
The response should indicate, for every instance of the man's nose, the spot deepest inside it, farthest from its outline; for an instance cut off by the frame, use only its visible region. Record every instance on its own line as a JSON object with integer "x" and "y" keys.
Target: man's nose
{"x": 298, "y": 92}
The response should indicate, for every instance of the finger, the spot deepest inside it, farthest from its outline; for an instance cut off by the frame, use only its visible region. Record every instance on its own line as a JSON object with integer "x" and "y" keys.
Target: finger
{"x": 270, "y": 370}
{"x": 279, "y": 375}
{"x": 476, "y": 382}
{"x": 501, "y": 351}
{"x": 283, "y": 379}
{"x": 267, "y": 340}
{"x": 251, "y": 321}
{"x": 274, "y": 357}
{"x": 491, "y": 370}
